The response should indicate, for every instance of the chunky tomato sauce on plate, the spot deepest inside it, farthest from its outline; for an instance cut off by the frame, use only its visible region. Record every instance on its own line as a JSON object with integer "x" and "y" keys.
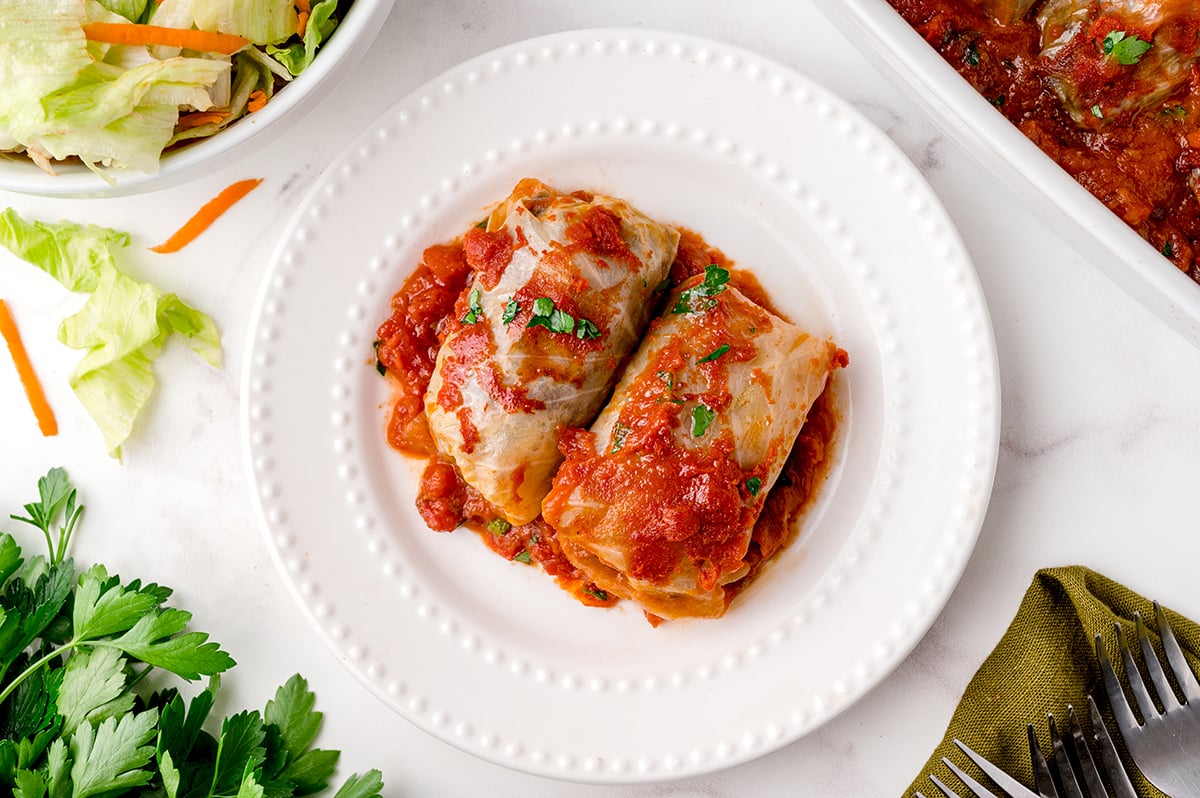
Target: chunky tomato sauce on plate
{"x": 1110, "y": 90}
{"x": 433, "y": 301}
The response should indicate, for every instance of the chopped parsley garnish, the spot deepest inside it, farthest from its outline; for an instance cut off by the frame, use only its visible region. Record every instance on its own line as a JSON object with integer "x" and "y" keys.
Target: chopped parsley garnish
{"x": 618, "y": 437}
{"x": 702, "y": 416}
{"x": 998, "y": 101}
{"x": 523, "y": 556}
{"x": 511, "y": 309}
{"x": 1096, "y": 112}
{"x": 1128, "y": 50}
{"x": 713, "y": 355}
{"x": 498, "y": 526}
{"x": 754, "y": 485}
{"x": 972, "y": 54}
{"x": 474, "y": 310}
{"x": 559, "y": 321}
{"x": 699, "y": 297}
{"x": 596, "y": 593}
{"x": 1177, "y": 111}
{"x": 1168, "y": 250}
{"x": 669, "y": 380}
{"x": 482, "y": 225}
{"x": 382, "y": 369}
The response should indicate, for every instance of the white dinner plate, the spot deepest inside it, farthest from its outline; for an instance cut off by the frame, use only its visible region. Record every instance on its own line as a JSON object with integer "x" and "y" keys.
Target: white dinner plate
{"x": 792, "y": 184}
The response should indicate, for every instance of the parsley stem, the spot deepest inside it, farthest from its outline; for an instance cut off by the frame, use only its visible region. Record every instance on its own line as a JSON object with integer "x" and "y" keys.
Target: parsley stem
{"x": 33, "y": 667}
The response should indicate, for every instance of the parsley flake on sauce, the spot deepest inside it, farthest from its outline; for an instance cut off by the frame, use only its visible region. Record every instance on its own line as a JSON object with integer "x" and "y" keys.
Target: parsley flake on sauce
{"x": 702, "y": 416}
{"x": 972, "y": 54}
{"x": 1168, "y": 250}
{"x": 754, "y": 485}
{"x": 596, "y": 593}
{"x": 713, "y": 355}
{"x": 1128, "y": 50}
{"x": 1096, "y": 112}
{"x": 523, "y": 556}
{"x": 699, "y": 297}
{"x": 498, "y": 526}
{"x": 511, "y": 309}
{"x": 382, "y": 369}
{"x": 474, "y": 310}
{"x": 618, "y": 437}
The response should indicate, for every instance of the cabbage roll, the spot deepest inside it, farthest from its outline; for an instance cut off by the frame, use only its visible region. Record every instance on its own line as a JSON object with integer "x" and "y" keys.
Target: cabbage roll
{"x": 564, "y": 286}
{"x": 1108, "y": 58}
{"x": 657, "y": 501}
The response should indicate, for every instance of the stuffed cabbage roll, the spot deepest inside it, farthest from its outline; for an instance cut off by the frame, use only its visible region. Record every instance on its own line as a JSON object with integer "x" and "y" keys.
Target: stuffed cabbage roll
{"x": 1108, "y": 58}
{"x": 657, "y": 501}
{"x": 564, "y": 286}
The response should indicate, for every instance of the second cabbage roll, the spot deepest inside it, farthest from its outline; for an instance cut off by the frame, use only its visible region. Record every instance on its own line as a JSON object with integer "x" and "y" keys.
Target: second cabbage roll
{"x": 657, "y": 502}
{"x": 564, "y": 286}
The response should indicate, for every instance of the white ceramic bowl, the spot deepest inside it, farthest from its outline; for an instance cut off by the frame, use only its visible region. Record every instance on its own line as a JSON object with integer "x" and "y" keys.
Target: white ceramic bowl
{"x": 1098, "y": 234}
{"x": 336, "y": 58}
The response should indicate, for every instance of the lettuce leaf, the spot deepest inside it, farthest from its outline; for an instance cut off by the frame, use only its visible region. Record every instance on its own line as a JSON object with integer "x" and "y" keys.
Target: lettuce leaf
{"x": 260, "y": 21}
{"x": 123, "y": 325}
{"x": 321, "y": 22}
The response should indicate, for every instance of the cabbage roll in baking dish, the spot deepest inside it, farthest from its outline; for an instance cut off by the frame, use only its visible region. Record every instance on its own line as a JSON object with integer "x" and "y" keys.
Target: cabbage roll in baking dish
{"x": 564, "y": 287}
{"x": 658, "y": 500}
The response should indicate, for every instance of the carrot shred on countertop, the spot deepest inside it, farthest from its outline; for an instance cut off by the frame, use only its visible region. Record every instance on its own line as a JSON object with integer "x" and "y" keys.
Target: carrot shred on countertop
{"x": 33, "y": 388}
{"x": 132, "y": 33}
{"x": 257, "y": 101}
{"x": 207, "y": 214}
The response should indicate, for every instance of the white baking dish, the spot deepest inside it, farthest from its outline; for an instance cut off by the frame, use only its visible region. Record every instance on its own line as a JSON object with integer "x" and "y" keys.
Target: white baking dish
{"x": 998, "y": 146}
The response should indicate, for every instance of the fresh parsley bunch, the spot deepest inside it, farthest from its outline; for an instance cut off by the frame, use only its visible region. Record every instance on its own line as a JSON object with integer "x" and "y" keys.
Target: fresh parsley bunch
{"x": 74, "y": 648}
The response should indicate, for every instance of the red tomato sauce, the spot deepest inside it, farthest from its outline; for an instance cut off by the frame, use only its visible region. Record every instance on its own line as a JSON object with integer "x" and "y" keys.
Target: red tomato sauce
{"x": 1136, "y": 157}
{"x": 429, "y": 306}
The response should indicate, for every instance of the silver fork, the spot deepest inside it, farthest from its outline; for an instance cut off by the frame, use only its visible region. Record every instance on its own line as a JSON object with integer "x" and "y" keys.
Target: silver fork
{"x": 1166, "y": 746}
{"x": 1072, "y": 765}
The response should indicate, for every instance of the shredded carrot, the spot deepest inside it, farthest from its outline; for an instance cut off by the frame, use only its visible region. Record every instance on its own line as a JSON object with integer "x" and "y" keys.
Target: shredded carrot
{"x": 302, "y": 6}
{"x": 257, "y": 101}
{"x": 33, "y": 388}
{"x": 130, "y": 33}
{"x": 207, "y": 215}
{"x": 302, "y": 23}
{"x": 188, "y": 121}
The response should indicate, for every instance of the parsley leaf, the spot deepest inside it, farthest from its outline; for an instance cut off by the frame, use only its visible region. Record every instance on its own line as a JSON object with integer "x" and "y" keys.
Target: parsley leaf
{"x": 1096, "y": 112}
{"x": 523, "y": 556}
{"x": 1128, "y": 50}
{"x": 559, "y": 321}
{"x": 1168, "y": 250}
{"x": 713, "y": 355}
{"x": 972, "y": 54}
{"x": 699, "y": 297}
{"x": 511, "y": 309}
{"x": 474, "y": 311}
{"x": 754, "y": 485}
{"x": 499, "y": 526}
{"x": 702, "y": 416}
{"x": 596, "y": 593}
{"x": 382, "y": 369}
{"x": 367, "y": 785}
{"x": 113, "y": 755}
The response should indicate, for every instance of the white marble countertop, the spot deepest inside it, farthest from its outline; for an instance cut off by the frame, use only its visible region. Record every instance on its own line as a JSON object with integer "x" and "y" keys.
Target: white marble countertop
{"x": 1099, "y": 462}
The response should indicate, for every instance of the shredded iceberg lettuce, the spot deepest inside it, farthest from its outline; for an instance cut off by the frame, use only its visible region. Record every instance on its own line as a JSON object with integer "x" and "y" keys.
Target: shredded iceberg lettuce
{"x": 117, "y": 107}
{"x": 121, "y": 328}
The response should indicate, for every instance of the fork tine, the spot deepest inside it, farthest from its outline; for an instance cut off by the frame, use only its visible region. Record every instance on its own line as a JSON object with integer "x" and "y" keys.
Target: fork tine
{"x": 1126, "y": 721}
{"x": 976, "y": 787}
{"x": 946, "y": 791}
{"x": 1041, "y": 771}
{"x": 1122, "y": 787}
{"x": 1011, "y": 786}
{"x": 1141, "y": 695}
{"x": 1083, "y": 755}
{"x": 1179, "y": 667}
{"x": 1166, "y": 695}
{"x": 1066, "y": 774}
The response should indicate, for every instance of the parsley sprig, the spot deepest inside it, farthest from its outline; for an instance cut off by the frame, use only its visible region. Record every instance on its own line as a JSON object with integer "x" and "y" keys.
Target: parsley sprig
{"x": 545, "y": 314}
{"x": 699, "y": 297}
{"x": 74, "y": 647}
{"x": 1128, "y": 50}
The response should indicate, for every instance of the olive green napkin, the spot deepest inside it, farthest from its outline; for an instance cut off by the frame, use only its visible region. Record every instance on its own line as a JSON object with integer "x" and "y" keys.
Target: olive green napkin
{"x": 1045, "y": 662}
